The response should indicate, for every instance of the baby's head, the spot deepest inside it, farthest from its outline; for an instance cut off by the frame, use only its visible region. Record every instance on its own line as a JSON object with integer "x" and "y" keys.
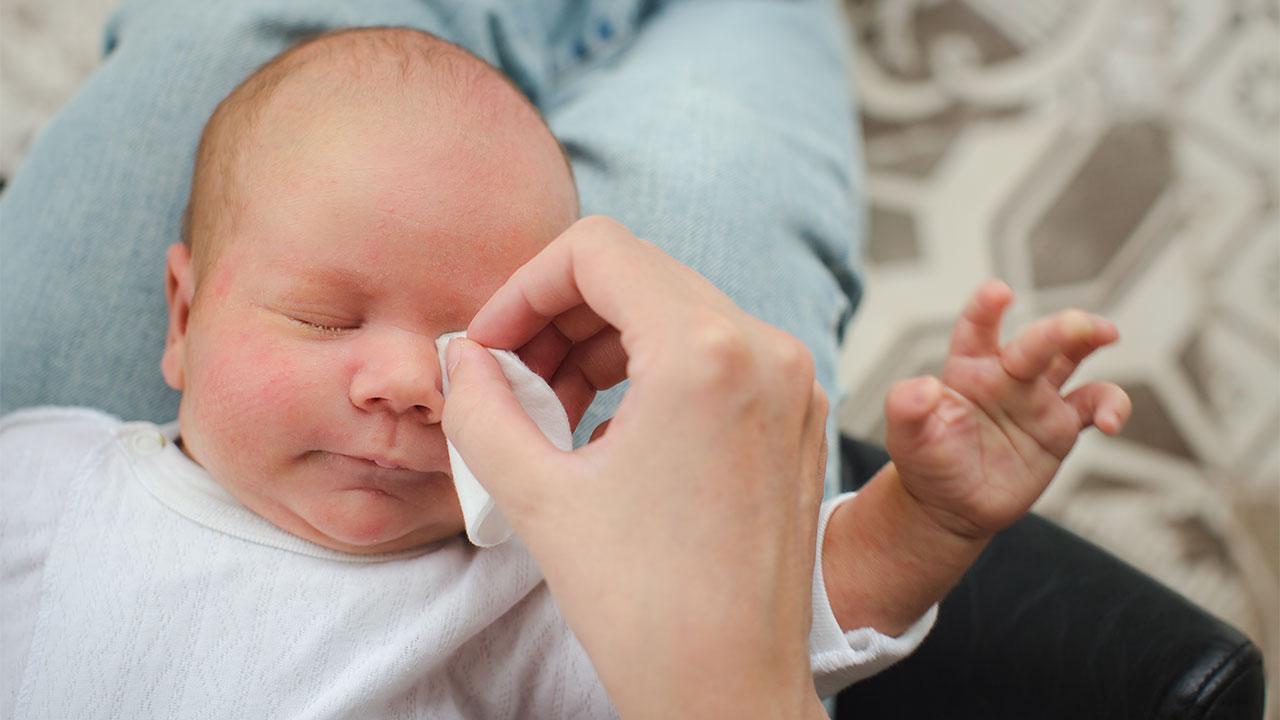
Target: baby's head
{"x": 355, "y": 198}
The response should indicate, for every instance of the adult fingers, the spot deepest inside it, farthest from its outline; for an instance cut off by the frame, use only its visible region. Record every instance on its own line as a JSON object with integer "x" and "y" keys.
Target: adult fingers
{"x": 1072, "y": 334}
{"x": 595, "y": 364}
{"x": 579, "y": 323}
{"x": 545, "y": 351}
{"x": 597, "y": 263}
{"x": 1102, "y": 404}
{"x": 480, "y": 399}
{"x": 977, "y": 330}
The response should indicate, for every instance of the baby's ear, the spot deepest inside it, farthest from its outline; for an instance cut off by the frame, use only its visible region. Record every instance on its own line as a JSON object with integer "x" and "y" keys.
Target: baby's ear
{"x": 179, "y": 289}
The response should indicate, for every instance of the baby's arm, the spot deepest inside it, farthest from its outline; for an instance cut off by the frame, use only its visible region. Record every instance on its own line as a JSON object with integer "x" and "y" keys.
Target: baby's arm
{"x": 971, "y": 452}
{"x": 884, "y": 562}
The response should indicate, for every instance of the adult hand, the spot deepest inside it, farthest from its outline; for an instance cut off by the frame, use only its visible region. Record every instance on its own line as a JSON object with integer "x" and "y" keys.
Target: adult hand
{"x": 679, "y": 543}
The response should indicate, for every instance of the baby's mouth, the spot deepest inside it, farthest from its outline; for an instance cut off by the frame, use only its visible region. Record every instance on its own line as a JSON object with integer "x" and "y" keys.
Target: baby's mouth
{"x": 387, "y": 462}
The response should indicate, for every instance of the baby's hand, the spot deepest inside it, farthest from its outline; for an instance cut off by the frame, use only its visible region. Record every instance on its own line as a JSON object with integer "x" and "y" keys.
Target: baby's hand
{"x": 977, "y": 447}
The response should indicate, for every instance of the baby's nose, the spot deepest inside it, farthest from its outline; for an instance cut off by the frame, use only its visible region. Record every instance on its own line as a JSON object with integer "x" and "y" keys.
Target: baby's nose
{"x": 399, "y": 373}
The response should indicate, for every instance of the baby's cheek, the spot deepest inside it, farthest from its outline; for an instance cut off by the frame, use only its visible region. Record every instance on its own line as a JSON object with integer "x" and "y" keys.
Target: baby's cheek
{"x": 252, "y": 383}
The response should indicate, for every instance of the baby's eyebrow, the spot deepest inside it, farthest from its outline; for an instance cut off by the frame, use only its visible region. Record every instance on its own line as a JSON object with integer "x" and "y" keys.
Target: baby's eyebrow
{"x": 331, "y": 278}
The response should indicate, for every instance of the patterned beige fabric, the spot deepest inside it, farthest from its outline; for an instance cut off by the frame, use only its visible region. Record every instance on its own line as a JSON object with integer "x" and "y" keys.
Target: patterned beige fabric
{"x": 1120, "y": 157}
{"x": 47, "y": 47}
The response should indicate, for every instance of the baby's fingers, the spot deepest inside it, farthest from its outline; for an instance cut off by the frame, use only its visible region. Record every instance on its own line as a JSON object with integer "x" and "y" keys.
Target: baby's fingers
{"x": 977, "y": 330}
{"x": 1102, "y": 404}
{"x": 1071, "y": 335}
{"x": 907, "y": 407}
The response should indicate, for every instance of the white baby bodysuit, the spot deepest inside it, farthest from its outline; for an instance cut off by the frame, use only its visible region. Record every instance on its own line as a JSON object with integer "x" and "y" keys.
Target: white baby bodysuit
{"x": 135, "y": 586}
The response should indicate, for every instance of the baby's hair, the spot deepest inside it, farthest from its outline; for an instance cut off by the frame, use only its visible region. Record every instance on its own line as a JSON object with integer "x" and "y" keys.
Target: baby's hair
{"x": 365, "y": 54}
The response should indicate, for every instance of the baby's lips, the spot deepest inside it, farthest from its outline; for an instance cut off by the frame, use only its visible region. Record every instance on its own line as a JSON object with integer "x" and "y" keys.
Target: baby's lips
{"x": 390, "y": 462}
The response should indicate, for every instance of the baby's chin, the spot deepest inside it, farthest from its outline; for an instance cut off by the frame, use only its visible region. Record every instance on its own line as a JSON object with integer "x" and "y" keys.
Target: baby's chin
{"x": 368, "y": 521}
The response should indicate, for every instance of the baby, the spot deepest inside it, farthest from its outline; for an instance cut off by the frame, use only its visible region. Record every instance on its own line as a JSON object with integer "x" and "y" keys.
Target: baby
{"x": 291, "y": 546}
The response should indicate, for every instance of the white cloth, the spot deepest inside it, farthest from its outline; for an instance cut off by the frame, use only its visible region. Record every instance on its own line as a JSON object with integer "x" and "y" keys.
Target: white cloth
{"x": 839, "y": 658}
{"x": 135, "y": 586}
{"x": 486, "y": 526}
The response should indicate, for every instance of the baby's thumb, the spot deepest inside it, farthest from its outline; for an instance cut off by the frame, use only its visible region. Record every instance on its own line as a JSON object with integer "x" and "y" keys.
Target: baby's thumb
{"x": 485, "y": 422}
{"x": 907, "y": 408}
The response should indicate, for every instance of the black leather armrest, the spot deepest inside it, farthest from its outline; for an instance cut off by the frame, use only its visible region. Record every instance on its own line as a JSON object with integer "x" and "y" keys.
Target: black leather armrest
{"x": 1046, "y": 625}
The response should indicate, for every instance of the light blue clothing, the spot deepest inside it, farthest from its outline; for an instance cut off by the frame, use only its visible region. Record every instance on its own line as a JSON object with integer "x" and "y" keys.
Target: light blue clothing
{"x": 723, "y": 131}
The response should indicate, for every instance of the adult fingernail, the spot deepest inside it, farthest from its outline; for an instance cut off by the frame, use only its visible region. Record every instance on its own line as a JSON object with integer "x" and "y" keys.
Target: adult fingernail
{"x": 453, "y": 354}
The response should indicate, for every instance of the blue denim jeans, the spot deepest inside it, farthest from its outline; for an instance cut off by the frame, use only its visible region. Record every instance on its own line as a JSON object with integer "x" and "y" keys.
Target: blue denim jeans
{"x": 721, "y": 130}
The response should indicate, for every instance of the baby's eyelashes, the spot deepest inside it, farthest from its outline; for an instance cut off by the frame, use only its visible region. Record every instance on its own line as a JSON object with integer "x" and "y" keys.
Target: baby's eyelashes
{"x": 318, "y": 317}
{"x": 325, "y": 328}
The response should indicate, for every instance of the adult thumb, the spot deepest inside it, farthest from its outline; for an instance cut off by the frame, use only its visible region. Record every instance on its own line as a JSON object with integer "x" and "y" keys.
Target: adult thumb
{"x": 486, "y": 423}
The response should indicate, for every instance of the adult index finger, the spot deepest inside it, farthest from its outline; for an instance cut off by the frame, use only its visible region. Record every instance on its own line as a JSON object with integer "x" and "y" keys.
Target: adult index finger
{"x": 597, "y": 263}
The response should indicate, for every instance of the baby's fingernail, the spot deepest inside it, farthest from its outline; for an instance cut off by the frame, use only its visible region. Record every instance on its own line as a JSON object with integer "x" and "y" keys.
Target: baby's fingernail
{"x": 925, "y": 391}
{"x": 1076, "y": 324}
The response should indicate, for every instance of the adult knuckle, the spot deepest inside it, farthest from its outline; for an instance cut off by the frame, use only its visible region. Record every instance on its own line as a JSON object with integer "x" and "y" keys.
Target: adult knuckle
{"x": 794, "y": 358}
{"x": 596, "y": 226}
{"x": 718, "y": 347}
{"x": 821, "y": 402}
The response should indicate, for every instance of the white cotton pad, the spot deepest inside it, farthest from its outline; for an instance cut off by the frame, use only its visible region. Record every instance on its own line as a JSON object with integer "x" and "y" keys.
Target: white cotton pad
{"x": 486, "y": 526}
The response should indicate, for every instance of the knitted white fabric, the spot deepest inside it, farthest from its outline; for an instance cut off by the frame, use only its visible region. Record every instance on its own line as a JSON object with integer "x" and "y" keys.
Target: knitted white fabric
{"x": 135, "y": 586}
{"x": 840, "y": 659}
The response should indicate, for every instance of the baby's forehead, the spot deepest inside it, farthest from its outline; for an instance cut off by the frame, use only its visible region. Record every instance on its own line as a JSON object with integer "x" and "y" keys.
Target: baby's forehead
{"x": 396, "y": 99}
{"x": 392, "y": 70}
{"x": 392, "y": 93}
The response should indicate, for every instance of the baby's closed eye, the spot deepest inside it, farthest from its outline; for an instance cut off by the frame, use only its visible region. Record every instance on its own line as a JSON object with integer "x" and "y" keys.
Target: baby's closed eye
{"x": 316, "y": 318}
{"x": 330, "y": 327}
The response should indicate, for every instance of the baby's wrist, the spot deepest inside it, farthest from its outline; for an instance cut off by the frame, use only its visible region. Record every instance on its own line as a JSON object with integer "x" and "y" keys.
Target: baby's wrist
{"x": 948, "y": 524}
{"x": 886, "y": 559}
{"x": 929, "y": 527}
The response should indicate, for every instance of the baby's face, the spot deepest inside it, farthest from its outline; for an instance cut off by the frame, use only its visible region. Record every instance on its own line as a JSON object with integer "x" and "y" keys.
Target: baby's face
{"x": 311, "y": 383}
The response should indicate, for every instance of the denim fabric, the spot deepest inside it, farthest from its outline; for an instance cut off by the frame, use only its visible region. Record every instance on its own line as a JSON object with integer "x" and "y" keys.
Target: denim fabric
{"x": 723, "y": 131}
